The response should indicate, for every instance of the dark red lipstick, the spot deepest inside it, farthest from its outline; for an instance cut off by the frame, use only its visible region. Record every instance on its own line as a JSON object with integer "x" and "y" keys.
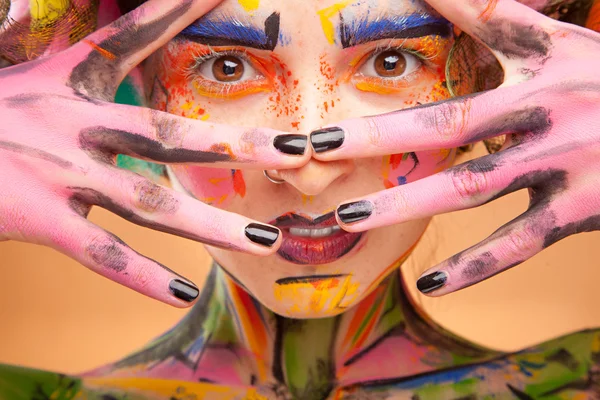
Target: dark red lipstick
{"x": 313, "y": 241}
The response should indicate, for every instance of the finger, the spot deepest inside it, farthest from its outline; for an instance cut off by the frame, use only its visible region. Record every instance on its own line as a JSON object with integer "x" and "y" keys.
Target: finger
{"x": 107, "y": 255}
{"x": 511, "y": 30}
{"x": 153, "y": 206}
{"x": 103, "y": 59}
{"x": 162, "y": 137}
{"x": 511, "y": 245}
{"x": 465, "y": 186}
{"x": 446, "y": 124}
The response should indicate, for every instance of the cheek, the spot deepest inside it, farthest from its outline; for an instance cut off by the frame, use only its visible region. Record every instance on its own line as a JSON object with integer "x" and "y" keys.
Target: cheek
{"x": 214, "y": 186}
{"x": 400, "y": 169}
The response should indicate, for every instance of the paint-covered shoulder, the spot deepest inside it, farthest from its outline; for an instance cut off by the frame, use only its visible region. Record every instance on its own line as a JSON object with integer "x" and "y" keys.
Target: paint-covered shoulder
{"x": 563, "y": 368}
{"x": 18, "y": 383}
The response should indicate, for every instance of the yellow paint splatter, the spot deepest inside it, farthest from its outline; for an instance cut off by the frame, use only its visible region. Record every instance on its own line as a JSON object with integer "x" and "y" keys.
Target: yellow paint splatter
{"x": 249, "y": 5}
{"x": 326, "y": 14}
{"x": 205, "y": 117}
{"x": 313, "y": 297}
{"x": 47, "y": 11}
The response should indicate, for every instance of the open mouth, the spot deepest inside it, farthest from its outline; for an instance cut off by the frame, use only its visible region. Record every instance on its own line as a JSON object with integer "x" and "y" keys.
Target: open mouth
{"x": 313, "y": 241}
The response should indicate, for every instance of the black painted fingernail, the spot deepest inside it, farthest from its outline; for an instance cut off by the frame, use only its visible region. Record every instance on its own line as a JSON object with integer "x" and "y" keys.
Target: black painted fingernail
{"x": 183, "y": 290}
{"x": 262, "y": 234}
{"x": 291, "y": 144}
{"x": 354, "y": 212}
{"x": 431, "y": 282}
{"x": 327, "y": 139}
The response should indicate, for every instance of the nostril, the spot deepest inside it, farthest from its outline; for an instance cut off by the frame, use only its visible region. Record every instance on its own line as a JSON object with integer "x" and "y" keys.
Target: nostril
{"x": 316, "y": 176}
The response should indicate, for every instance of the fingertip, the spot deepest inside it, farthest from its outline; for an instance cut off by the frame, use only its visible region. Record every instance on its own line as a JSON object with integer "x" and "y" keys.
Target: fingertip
{"x": 327, "y": 139}
{"x": 351, "y": 215}
{"x": 184, "y": 292}
{"x": 430, "y": 283}
{"x": 265, "y": 239}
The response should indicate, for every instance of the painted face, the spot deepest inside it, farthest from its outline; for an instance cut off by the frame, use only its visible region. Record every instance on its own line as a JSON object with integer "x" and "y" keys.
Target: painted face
{"x": 298, "y": 65}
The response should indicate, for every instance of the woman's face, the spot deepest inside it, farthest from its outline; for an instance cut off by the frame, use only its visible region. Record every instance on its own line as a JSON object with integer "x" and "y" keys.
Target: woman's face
{"x": 297, "y": 65}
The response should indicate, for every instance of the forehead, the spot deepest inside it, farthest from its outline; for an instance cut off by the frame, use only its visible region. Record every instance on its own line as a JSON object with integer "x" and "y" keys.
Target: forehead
{"x": 306, "y": 11}
{"x": 265, "y": 23}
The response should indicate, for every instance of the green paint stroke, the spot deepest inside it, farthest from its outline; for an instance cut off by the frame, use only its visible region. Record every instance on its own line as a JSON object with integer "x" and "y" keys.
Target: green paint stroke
{"x": 128, "y": 93}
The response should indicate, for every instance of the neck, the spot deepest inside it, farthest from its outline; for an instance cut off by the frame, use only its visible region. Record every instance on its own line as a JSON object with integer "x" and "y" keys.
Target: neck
{"x": 230, "y": 338}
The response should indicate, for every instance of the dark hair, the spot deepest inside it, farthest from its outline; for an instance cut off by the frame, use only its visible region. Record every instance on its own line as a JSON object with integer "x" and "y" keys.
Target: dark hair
{"x": 128, "y": 5}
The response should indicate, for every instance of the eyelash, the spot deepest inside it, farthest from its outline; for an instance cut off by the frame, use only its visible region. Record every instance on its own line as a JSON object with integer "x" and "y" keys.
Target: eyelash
{"x": 382, "y": 85}
{"x": 228, "y": 90}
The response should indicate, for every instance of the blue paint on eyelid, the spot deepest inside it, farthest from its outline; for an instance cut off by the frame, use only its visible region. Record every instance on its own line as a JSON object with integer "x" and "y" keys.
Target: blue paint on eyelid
{"x": 368, "y": 29}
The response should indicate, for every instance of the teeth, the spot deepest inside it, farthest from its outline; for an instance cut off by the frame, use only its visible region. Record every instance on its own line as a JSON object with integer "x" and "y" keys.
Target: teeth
{"x": 314, "y": 233}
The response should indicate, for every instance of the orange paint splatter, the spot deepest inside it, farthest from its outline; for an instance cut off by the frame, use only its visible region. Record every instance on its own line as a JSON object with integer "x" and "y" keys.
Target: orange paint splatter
{"x": 104, "y": 53}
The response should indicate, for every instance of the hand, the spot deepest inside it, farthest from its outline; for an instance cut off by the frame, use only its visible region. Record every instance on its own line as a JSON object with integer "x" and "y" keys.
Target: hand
{"x": 549, "y": 105}
{"x": 59, "y": 137}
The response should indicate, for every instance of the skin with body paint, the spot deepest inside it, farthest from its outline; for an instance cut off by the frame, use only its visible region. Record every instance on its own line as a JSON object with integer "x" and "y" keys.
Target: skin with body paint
{"x": 548, "y": 106}
{"x": 234, "y": 343}
{"x": 54, "y": 174}
{"x": 275, "y": 72}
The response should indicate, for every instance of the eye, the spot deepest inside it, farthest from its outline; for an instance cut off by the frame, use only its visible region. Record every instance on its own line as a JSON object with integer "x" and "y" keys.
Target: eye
{"x": 227, "y": 68}
{"x": 390, "y": 64}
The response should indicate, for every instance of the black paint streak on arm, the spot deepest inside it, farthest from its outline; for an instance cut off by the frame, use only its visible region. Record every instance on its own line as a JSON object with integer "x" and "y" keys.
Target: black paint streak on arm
{"x": 99, "y": 76}
{"x": 95, "y": 139}
{"x": 90, "y": 196}
{"x": 516, "y": 40}
{"x": 35, "y": 153}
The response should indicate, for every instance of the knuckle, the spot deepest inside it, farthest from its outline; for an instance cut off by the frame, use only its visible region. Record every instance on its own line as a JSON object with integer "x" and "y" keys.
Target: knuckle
{"x": 448, "y": 120}
{"x": 143, "y": 277}
{"x": 166, "y": 129}
{"x": 522, "y": 242}
{"x": 468, "y": 184}
{"x": 150, "y": 197}
{"x": 107, "y": 252}
{"x": 377, "y": 130}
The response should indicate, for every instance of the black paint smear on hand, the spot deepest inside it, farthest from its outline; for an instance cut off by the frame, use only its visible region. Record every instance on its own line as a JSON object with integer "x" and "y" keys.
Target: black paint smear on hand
{"x": 534, "y": 121}
{"x": 94, "y": 140}
{"x": 516, "y": 40}
{"x": 544, "y": 184}
{"x": 481, "y": 267}
{"x": 108, "y": 253}
{"x": 35, "y": 153}
{"x": 91, "y": 196}
{"x": 590, "y": 224}
{"x": 99, "y": 76}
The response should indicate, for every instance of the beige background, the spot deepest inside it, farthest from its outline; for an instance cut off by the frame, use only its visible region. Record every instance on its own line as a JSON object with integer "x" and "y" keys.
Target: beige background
{"x": 57, "y": 315}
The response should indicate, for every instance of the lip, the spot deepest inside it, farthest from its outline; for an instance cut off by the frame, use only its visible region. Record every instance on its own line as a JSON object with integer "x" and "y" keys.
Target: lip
{"x": 308, "y": 250}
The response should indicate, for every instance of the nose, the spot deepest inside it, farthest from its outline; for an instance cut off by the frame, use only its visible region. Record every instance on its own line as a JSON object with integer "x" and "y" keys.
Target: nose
{"x": 315, "y": 176}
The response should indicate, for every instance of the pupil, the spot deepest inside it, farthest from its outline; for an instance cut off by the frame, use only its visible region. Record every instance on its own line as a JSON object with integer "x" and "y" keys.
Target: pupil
{"x": 390, "y": 62}
{"x": 229, "y": 67}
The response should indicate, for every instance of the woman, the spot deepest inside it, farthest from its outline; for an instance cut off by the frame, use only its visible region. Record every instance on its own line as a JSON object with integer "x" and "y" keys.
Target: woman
{"x": 327, "y": 317}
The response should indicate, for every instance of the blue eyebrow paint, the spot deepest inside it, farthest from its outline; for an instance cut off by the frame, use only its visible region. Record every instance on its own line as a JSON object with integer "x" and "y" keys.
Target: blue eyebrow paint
{"x": 366, "y": 30}
{"x": 224, "y": 30}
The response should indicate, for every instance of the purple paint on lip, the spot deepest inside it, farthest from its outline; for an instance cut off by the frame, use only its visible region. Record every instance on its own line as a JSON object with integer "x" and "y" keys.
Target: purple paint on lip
{"x": 309, "y": 250}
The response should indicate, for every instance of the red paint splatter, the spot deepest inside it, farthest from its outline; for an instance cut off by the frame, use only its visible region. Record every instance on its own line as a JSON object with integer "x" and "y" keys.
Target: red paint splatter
{"x": 239, "y": 184}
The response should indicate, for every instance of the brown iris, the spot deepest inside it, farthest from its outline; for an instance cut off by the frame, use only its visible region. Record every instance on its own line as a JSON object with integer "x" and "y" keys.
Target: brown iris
{"x": 390, "y": 64}
{"x": 228, "y": 69}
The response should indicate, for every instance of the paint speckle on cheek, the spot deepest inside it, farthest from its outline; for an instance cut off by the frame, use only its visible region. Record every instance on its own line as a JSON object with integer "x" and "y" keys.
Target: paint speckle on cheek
{"x": 216, "y": 187}
{"x": 285, "y": 100}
